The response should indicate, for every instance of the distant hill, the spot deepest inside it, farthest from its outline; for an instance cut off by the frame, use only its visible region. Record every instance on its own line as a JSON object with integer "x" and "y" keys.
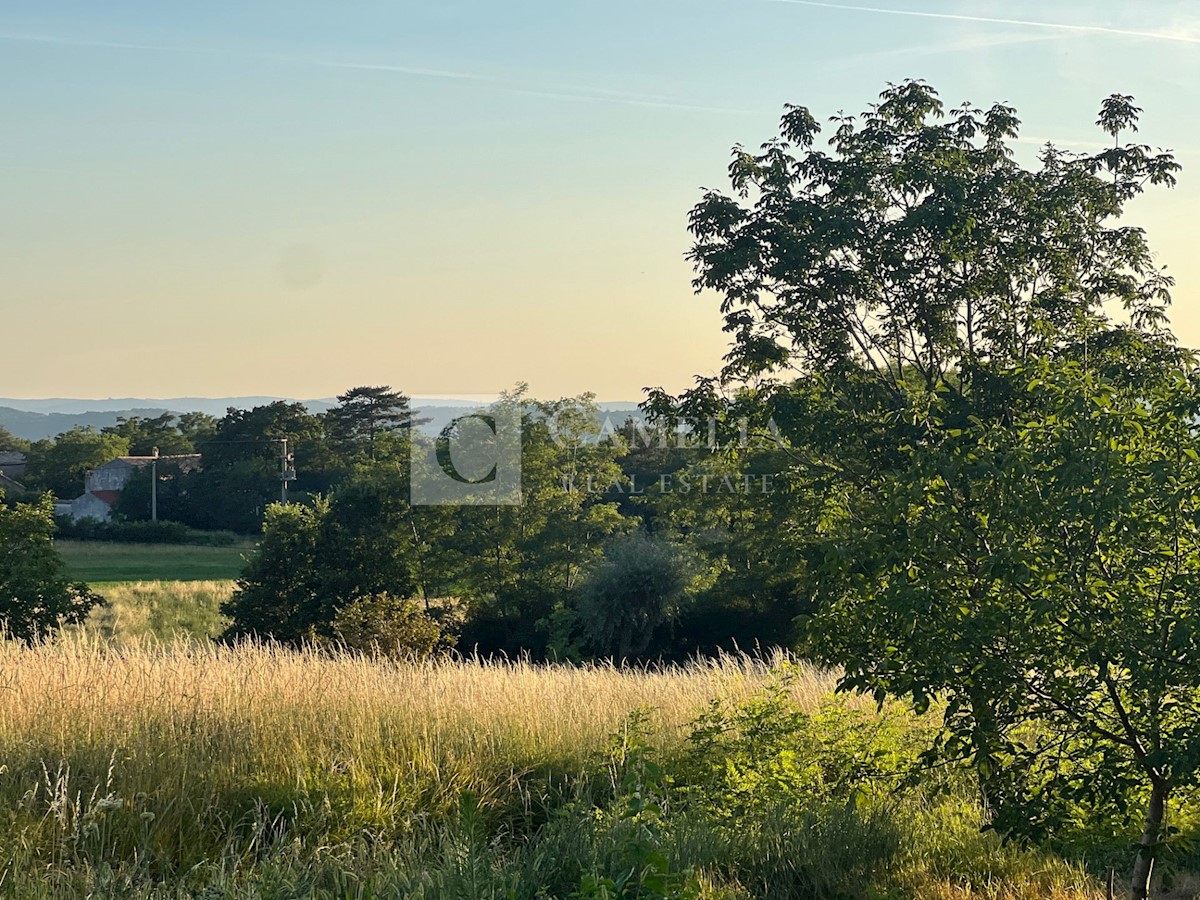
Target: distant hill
{"x": 34, "y": 426}
{"x": 214, "y": 406}
{"x": 35, "y": 420}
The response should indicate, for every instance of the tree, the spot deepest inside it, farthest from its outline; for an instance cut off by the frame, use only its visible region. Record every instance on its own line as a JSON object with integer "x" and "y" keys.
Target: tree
{"x": 278, "y": 594}
{"x": 364, "y": 415}
{"x": 242, "y": 463}
{"x": 636, "y": 591}
{"x": 357, "y": 548}
{"x": 144, "y": 435}
{"x": 9, "y": 441}
{"x": 1042, "y": 578}
{"x": 36, "y": 598}
{"x": 920, "y": 245}
{"x": 197, "y": 428}
{"x": 516, "y": 565}
{"x": 59, "y": 466}
{"x": 175, "y": 502}
{"x": 916, "y": 276}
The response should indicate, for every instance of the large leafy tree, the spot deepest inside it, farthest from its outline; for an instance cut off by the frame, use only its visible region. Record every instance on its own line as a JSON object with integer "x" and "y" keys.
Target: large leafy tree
{"x": 242, "y": 462}
{"x": 918, "y": 245}
{"x": 168, "y": 433}
{"x": 917, "y": 276}
{"x": 517, "y": 565}
{"x": 36, "y": 597}
{"x": 279, "y": 593}
{"x": 1041, "y": 577}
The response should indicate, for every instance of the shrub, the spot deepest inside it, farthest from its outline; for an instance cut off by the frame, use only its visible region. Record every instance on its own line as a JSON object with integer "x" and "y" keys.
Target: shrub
{"x": 35, "y": 596}
{"x": 631, "y": 595}
{"x": 388, "y": 626}
{"x": 141, "y": 533}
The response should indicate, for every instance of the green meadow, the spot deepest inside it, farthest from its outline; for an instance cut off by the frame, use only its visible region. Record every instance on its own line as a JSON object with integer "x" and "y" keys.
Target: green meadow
{"x": 100, "y": 562}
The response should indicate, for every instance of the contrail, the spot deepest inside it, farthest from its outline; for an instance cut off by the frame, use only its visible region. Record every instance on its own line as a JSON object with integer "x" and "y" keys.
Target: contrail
{"x": 1025, "y": 23}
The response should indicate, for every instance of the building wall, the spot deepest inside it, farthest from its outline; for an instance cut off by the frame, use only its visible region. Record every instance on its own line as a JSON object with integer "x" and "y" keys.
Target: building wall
{"x": 112, "y": 476}
{"x": 90, "y": 506}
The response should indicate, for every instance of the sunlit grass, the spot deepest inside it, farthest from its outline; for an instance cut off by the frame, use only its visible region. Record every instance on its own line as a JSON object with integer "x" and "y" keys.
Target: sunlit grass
{"x": 254, "y": 771}
{"x": 140, "y": 610}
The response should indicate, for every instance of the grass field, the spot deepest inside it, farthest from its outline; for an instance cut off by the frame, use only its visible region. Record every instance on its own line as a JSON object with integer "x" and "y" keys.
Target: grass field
{"x": 103, "y": 562}
{"x": 159, "y": 610}
{"x": 195, "y": 771}
{"x": 139, "y": 760}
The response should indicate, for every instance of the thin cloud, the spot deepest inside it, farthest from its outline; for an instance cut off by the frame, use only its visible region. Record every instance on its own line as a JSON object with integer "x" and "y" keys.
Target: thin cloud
{"x": 533, "y": 89}
{"x": 81, "y": 42}
{"x": 1173, "y": 36}
{"x": 964, "y": 43}
{"x": 550, "y": 91}
{"x": 402, "y": 70}
{"x": 585, "y": 96}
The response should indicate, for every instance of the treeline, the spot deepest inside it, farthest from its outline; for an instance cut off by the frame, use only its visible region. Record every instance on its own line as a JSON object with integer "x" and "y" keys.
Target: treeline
{"x": 635, "y": 542}
{"x": 242, "y": 453}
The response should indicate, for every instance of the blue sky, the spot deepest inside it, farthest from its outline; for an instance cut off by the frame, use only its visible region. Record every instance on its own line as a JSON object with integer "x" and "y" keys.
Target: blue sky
{"x": 290, "y": 198}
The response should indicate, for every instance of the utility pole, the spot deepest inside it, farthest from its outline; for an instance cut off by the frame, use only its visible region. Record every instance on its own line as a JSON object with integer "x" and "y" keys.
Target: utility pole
{"x": 286, "y": 472}
{"x": 154, "y": 487}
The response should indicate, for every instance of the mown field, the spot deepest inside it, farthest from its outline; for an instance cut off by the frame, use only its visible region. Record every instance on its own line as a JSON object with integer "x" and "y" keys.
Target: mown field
{"x": 95, "y": 561}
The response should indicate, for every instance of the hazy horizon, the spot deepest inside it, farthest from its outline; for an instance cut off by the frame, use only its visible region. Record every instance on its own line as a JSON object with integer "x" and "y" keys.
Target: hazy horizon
{"x": 287, "y": 199}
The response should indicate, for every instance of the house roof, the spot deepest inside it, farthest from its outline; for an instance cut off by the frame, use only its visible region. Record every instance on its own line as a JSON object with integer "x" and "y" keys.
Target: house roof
{"x": 146, "y": 460}
{"x": 109, "y": 497}
{"x": 11, "y": 458}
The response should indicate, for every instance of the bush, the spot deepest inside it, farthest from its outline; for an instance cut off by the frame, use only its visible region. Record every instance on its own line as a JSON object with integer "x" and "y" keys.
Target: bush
{"x": 631, "y": 595}
{"x": 35, "y": 596}
{"x": 387, "y": 626}
{"x": 141, "y": 533}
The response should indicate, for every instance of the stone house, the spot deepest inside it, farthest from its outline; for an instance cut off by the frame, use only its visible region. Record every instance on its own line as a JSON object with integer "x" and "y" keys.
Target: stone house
{"x": 103, "y": 485}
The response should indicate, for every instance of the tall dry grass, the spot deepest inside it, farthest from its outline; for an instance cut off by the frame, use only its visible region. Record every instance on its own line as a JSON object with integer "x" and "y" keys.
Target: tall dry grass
{"x": 255, "y": 771}
{"x": 82, "y": 690}
{"x": 165, "y": 610}
{"x": 190, "y": 738}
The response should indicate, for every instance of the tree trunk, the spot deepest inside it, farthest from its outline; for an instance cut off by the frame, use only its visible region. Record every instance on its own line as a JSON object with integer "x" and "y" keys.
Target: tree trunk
{"x": 1143, "y": 869}
{"x": 986, "y": 738}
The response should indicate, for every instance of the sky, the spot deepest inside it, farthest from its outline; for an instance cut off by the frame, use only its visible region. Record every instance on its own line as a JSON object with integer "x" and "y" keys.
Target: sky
{"x": 285, "y": 197}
